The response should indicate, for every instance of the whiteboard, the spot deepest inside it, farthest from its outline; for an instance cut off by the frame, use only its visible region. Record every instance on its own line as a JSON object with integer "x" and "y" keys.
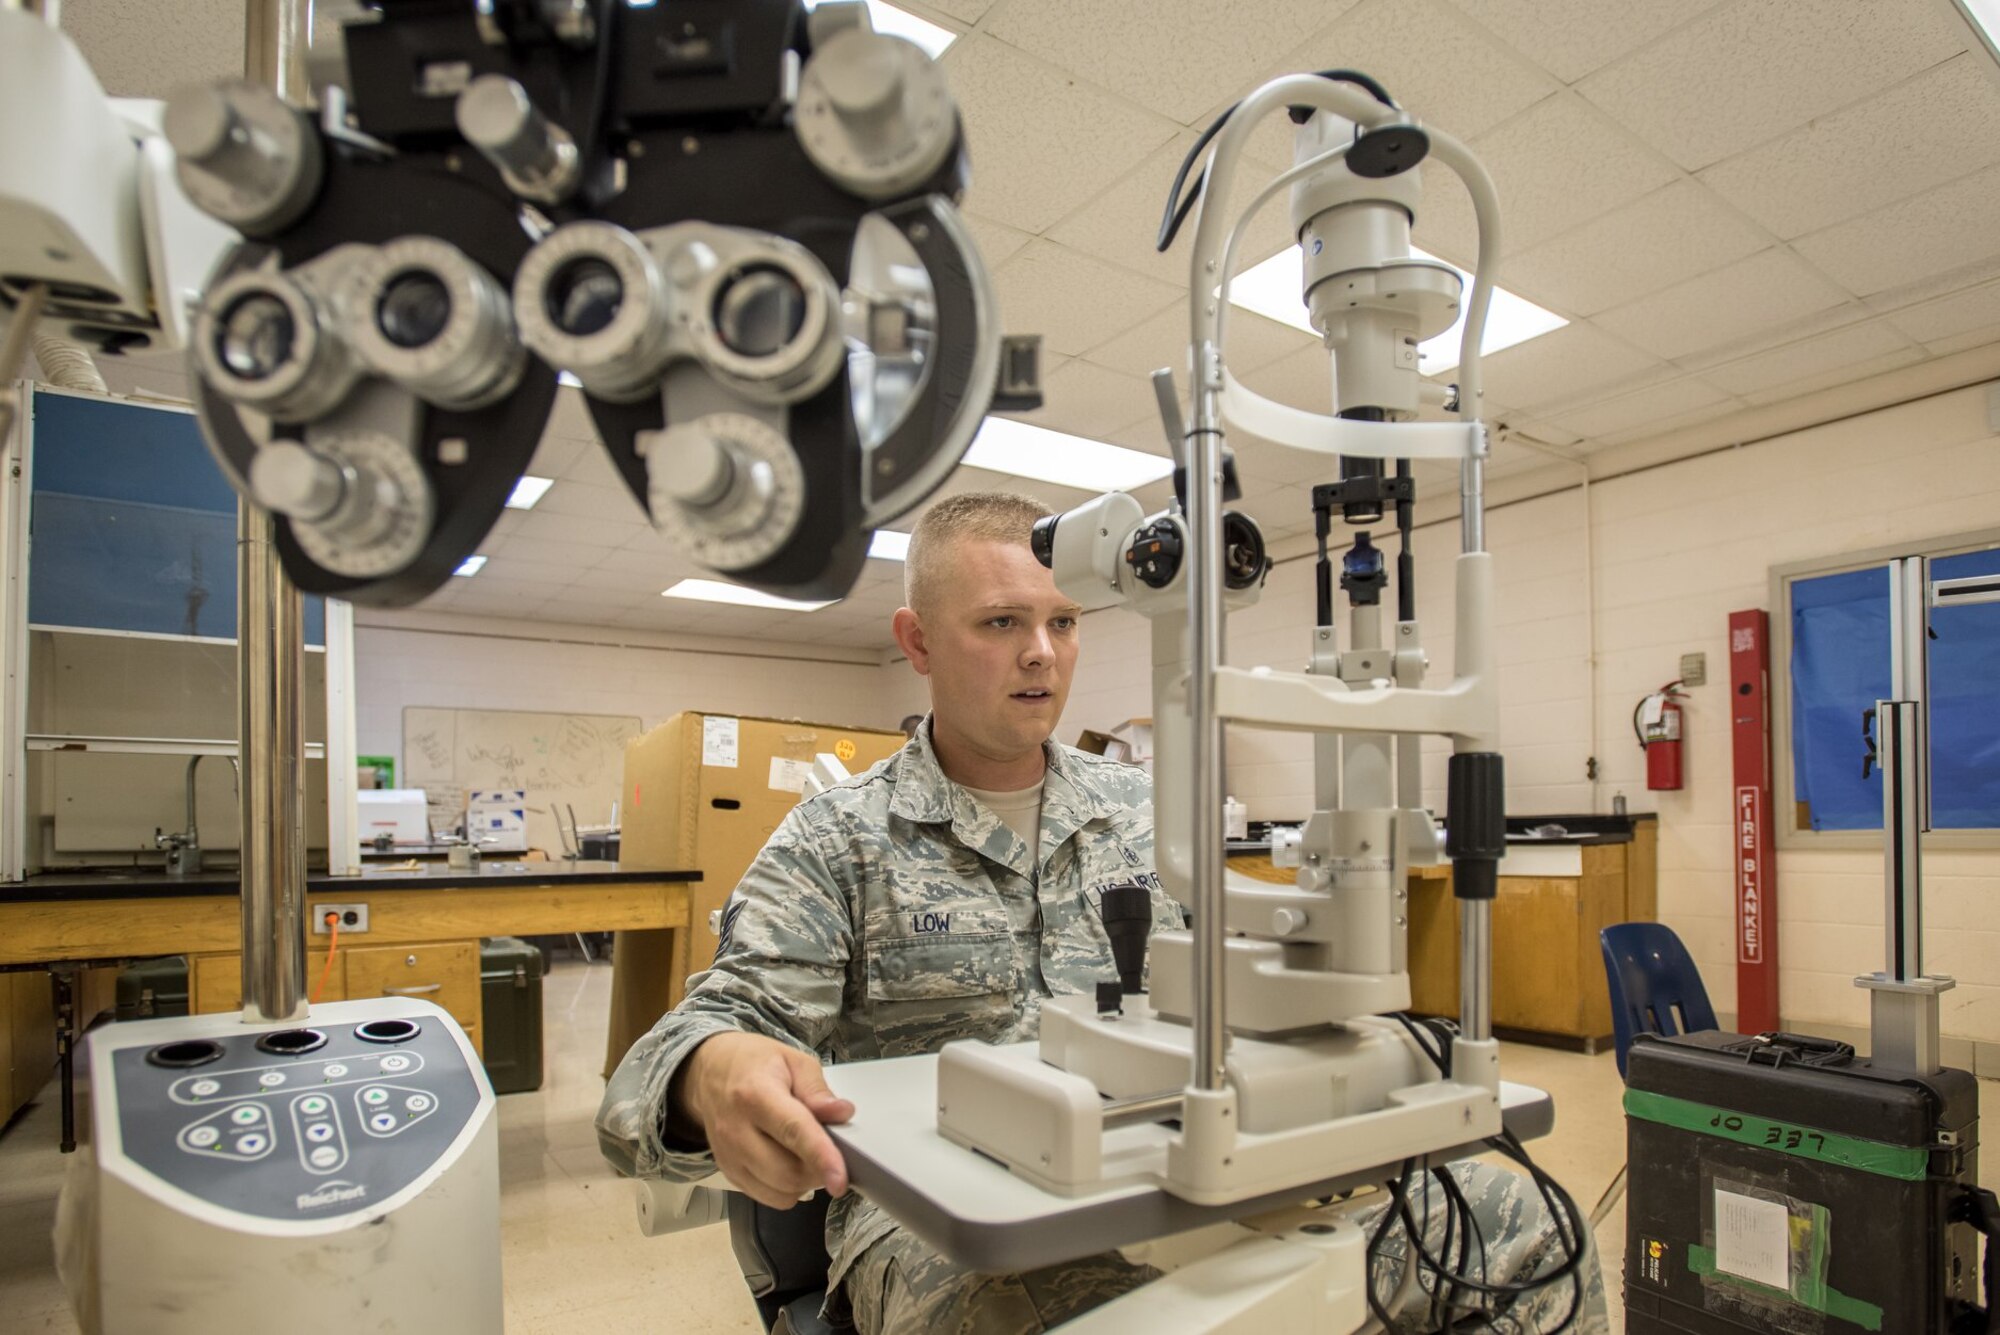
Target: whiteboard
{"x": 561, "y": 760}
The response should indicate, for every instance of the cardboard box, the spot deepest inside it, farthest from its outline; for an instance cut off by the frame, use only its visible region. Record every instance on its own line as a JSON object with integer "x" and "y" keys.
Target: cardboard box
{"x": 1137, "y": 734}
{"x": 497, "y": 820}
{"x": 704, "y": 792}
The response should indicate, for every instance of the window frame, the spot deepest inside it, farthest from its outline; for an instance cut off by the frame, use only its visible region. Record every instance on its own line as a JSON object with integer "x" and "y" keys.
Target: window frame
{"x": 1785, "y": 791}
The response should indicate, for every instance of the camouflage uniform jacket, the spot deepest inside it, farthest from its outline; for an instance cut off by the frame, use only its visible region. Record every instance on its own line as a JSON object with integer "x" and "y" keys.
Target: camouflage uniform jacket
{"x": 889, "y": 916}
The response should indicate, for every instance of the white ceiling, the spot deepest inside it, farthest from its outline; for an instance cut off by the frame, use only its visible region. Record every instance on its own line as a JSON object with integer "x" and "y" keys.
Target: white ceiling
{"x": 1734, "y": 203}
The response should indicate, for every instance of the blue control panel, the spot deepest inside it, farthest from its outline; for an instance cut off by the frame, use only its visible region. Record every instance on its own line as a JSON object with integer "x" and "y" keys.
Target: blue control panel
{"x": 299, "y": 1123}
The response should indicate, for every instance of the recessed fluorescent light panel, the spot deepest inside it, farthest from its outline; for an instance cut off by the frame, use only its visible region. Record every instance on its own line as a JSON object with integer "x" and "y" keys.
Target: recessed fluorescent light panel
{"x": 529, "y": 490}
{"x": 889, "y": 545}
{"x": 1275, "y": 289}
{"x": 716, "y": 591}
{"x": 470, "y": 565}
{"x": 901, "y": 23}
{"x": 1006, "y": 446}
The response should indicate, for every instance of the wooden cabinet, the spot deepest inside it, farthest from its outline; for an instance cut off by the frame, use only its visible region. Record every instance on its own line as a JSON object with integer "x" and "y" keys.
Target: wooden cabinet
{"x": 1548, "y": 969}
{"x": 445, "y": 973}
{"x": 27, "y": 1038}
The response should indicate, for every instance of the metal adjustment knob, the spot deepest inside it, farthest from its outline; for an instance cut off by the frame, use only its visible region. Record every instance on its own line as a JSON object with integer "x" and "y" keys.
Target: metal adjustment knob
{"x": 287, "y": 477}
{"x": 695, "y": 469}
{"x": 1284, "y": 922}
{"x": 244, "y": 157}
{"x": 874, "y": 113}
{"x": 536, "y": 157}
{"x": 379, "y": 520}
{"x": 1286, "y": 847}
{"x": 726, "y": 488}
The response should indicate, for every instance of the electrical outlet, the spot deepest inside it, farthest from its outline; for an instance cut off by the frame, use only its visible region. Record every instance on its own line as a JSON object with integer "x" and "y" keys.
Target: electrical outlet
{"x": 353, "y": 918}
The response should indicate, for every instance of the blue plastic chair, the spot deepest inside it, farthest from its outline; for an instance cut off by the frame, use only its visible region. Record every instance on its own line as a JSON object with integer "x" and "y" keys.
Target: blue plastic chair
{"x": 1655, "y": 989}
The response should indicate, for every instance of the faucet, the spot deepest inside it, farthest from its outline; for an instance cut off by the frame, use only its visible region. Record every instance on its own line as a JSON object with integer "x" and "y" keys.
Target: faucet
{"x": 183, "y": 847}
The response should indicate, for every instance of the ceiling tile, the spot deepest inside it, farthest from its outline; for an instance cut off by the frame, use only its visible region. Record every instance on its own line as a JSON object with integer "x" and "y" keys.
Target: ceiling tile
{"x": 1950, "y": 316}
{"x": 1088, "y": 400}
{"x": 1844, "y": 375}
{"x": 1304, "y": 379}
{"x": 1446, "y": 226}
{"x": 514, "y": 571}
{"x": 1753, "y": 294}
{"x": 607, "y": 530}
{"x": 1930, "y": 129}
{"x": 995, "y": 240}
{"x": 1421, "y": 51}
{"x": 1041, "y": 141}
{"x": 1571, "y": 38}
{"x": 1678, "y": 422}
{"x": 1862, "y": 342}
{"x": 1560, "y": 366}
{"x": 503, "y": 528}
{"x": 569, "y": 416}
{"x": 1972, "y": 338}
{"x": 1666, "y": 237}
{"x": 965, "y": 11}
{"x": 1250, "y": 341}
{"x": 1072, "y": 300}
{"x": 1751, "y": 69}
{"x": 1262, "y": 467}
{"x": 616, "y": 504}
{"x": 1122, "y": 224}
{"x": 555, "y": 455}
{"x": 593, "y": 467}
{"x": 1563, "y": 162}
{"x": 1641, "y": 407}
{"x": 147, "y": 50}
{"x": 1927, "y": 234}
{"x": 1173, "y": 56}
{"x": 568, "y": 556}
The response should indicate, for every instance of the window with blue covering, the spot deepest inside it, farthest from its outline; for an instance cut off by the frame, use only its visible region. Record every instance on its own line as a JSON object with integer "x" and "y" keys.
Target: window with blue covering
{"x": 133, "y": 526}
{"x": 1839, "y": 662}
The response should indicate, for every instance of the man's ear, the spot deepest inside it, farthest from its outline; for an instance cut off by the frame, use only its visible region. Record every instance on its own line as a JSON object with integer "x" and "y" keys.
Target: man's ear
{"x": 909, "y": 631}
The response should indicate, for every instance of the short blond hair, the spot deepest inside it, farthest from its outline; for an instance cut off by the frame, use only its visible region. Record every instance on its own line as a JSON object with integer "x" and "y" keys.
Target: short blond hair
{"x": 992, "y": 516}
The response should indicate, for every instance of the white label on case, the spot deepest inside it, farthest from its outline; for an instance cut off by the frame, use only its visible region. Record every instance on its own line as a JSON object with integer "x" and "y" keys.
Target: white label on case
{"x": 789, "y": 776}
{"x": 719, "y": 742}
{"x": 1753, "y": 1239}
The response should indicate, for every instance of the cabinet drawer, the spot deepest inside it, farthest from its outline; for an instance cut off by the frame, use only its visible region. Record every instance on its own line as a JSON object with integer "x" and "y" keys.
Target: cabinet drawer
{"x": 445, "y": 974}
{"x": 216, "y": 981}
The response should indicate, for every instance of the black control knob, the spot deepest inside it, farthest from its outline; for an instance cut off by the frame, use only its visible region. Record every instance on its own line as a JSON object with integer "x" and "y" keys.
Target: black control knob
{"x": 1128, "y": 918}
{"x": 1155, "y": 553}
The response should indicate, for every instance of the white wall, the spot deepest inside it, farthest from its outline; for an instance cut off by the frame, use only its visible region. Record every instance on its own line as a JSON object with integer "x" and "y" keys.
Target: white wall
{"x": 1678, "y": 547}
{"x": 470, "y": 663}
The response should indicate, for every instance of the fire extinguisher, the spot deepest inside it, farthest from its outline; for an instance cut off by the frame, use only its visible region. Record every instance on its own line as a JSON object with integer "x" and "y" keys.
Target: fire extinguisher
{"x": 1657, "y": 721}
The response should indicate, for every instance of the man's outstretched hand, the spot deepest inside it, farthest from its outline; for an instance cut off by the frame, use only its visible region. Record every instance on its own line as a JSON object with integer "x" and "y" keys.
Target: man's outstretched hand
{"x": 760, "y": 1105}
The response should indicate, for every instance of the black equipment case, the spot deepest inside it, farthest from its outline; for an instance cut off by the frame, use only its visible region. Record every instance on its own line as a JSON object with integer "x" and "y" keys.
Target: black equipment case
{"x": 1779, "y": 1183}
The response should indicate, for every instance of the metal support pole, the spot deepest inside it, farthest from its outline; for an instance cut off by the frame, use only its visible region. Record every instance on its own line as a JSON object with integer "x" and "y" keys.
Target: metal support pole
{"x": 1475, "y": 916}
{"x": 1903, "y": 1001}
{"x": 270, "y": 666}
{"x": 1204, "y": 494}
{"x": 270, "y": 661}
{"x": 1475, "y": 971}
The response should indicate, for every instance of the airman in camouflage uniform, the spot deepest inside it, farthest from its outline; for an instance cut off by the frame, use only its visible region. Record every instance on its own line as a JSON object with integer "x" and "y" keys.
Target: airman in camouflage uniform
{"x": 892, "y": 914}
{"x": 898, "y": 911}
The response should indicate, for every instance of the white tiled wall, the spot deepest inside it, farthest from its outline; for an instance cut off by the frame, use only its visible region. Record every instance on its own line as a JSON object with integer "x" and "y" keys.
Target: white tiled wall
{"x": 396, "y": 668}
{"x": 1678, "y": 548}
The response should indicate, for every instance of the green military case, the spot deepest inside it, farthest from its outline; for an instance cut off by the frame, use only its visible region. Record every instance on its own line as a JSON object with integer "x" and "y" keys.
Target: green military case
{"x": 151, "y": 989}
{"x": 510, "y": 1021}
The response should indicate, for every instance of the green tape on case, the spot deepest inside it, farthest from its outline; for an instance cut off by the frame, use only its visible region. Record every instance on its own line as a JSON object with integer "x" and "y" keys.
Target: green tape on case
{"x": 1812, "y": 1292}
{"x": 1904, "y": 1162}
